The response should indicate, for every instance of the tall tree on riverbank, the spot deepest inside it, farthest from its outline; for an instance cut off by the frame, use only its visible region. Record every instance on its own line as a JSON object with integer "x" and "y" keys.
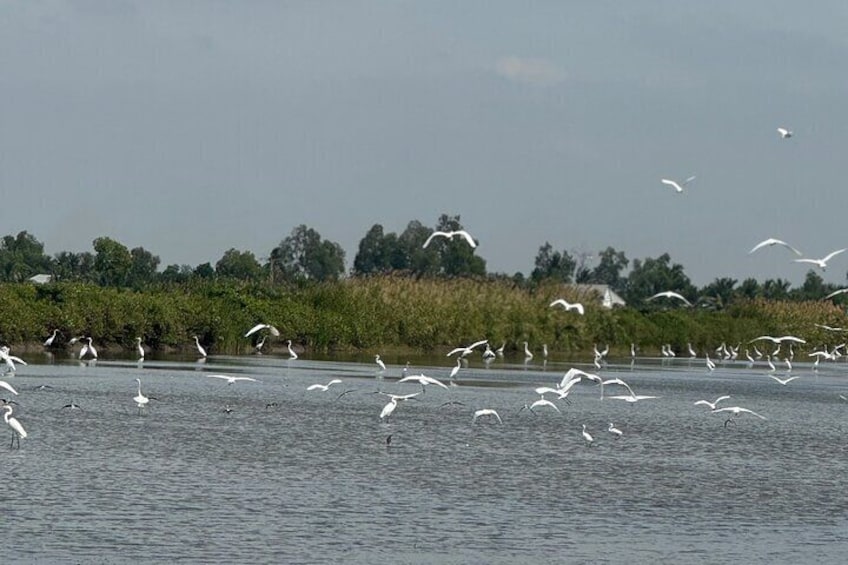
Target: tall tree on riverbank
{"x": 304, "y": 255}
{"x": 21, "y": 257}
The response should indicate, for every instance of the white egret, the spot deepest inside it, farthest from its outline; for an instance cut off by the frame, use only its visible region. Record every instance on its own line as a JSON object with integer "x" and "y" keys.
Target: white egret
{"x": 486, "y": 412}
{"x": 772, "y": 241}
{"x": 779, "y": 339}
{"x": 456, "y": 369}
{"x": 670, "y": 294}
{"x": 274, "y": 331}
{"x": 615, "y": 431}
{"x": 389, "y": 408}
{"x": 465, "y": 351}
{"x": 528, "y": 355}
{"x": 829, "y": 328}
{"x": 72, "y": 406}
{"x": 449, "y": 235}
{"x": 576, "y": 306}
{"x": 539, "y": 403}
{"x": 10, "y": 360}
{"x": 232, "y": 380}
{"x": 822, "y": 263}
{"x": 615, "y": 381}
{"x": 500, "y": 350}
{"x": 379, "y": 362}
{"x": 770, "y": 364}
{"x": 712, "y": 405}
{"x": 785, "y": 381}
{"x": 488, "y": 354}
{"x": 736, "y": 410}
{"x": 784, "y": 133}
{"x": 88, "y": 349}
{"x": 423, "y": 380}
{"x": 678, "y": 186}
{"x": 18, "y": 430}
{"x": 710, "y": 363}
{"x": 324, "y": 388}
{"x": 260, "y": 344}
{"x": 836, "y": 293}
{"x": 692, "y": 353}
{"x": 587, "y": 436}
{"x": 632, "y": 398}
{"x": 140, "y": 399}
{"x": 7, "y": 386}
{"x": 140, "y": 349}
{"x": 49, "y": 341}
{"x": 292, "y": 354}
{"x": 199, "y": 347}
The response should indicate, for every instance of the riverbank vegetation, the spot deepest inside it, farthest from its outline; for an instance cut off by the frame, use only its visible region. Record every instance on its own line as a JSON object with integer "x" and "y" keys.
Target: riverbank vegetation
{"x": 387, "y": 312}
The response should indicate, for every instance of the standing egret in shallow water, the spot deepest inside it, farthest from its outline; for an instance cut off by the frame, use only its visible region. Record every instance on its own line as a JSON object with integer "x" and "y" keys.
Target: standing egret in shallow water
{"x": 587, "y": 436}
{"x": 49, "y": 341}
{"x": 292, "y": 354}
{"x": 379, "y": 362}
{"x": 199, "y": 347}
{"x": 140, "y": 399}
{"x": 615, "y": 431}
{"x": 18, "y": 430}
{"x": 140, "y": 349}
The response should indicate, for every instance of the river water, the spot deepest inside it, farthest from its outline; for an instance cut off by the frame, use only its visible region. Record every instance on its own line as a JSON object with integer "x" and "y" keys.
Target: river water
{"x": 296, "y": 476}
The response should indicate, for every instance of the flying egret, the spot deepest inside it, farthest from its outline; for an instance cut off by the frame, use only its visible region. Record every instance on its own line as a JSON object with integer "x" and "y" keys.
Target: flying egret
{"x": 49, "y": 341}
{"x": 324, "y": 388}
{"x": 712, "y": 405}
{"x": 72, "y": 406}
{"x": 822, "y": 263}
{"x": 576, "y": 306}
{"x": 274, "y": 331}
{"x": 449, "y": 235}
{"x": 670, "y": 294}
{"x": 10, "y": 360}
{"x": 423, "y": 380}
{"x": 486, "y": 412}
{"x": 199, "y": 347}
{"x": 736, "y": 410}
{"x": 140, "y": 399}
{"x": 7, "y": 386}
{"x": 539, "y": 403}
{"x": 292, "y": 354}
{"x": 785, "y": 381}
{"x": 780, "y": 339}
{"x": 772, "y": 241}
{"x": 829, "y": 328}
{"x": 675, "y": 185}
{"x": 615, "y": 431}
{"x": 784, "y": 133}
{"x": 379, "y": 362}
{"x": 836, "y": 293}
{"x": 632, "y": 398}
{"x": 232, "y": 380}
{"x": 18, "y": 430}
{"x": 587, "y": 436}
{"x": 465, "y": 351}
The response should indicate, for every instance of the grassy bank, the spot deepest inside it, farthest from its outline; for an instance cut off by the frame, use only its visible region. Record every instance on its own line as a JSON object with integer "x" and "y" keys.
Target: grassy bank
{"x": 390, "y": 312}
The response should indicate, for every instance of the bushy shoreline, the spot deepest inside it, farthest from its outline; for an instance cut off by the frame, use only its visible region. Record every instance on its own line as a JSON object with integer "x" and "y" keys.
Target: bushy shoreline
{"x": 393, "y": 312}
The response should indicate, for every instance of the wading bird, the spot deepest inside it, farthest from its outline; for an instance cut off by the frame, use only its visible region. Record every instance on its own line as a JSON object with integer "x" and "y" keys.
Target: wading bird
{"x": 587, "y": 436}
{"x": 231, "y": 380}
{"x": 140, "y": 400}
{"x": 675, "y": 185}
{"x": 199, "y": 347}
{"x": 486, "y": 412}
{"x": 449, "y": 235}
{"x": 822, "y": 263}
{"x": 576, "y": 306}
{"x": 18, "y": 430}
{"x": 49, "y": 341}
{"x": 292, "y": 354}
{"x": 379, "y": 362}
{"x": 772, "y": 241}
{"x": 615, "y": 431}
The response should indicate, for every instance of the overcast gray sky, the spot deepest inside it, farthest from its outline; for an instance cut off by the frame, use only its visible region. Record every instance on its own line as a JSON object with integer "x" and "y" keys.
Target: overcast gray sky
{"x": 189, "y": 128}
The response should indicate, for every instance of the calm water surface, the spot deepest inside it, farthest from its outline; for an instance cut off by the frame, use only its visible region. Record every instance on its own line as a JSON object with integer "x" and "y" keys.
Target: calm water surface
{"x": 309, "y": 479}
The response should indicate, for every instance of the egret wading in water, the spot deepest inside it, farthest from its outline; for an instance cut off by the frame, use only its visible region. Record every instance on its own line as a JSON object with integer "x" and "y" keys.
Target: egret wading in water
{"x": 199, "y": 347}
{"x": 140, "y": 400}
{"x": 49, "y": 341}
{"x": 379, "y": 362}
{"x": 18, "y": 430}
{"x": 292, "y": 354}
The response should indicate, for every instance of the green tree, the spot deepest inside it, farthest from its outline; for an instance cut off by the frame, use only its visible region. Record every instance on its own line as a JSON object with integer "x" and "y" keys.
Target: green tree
{"x": 610, "y": 267}
{"x": 776, "y": 289}
{"x": 813, "y": 288}
{"x": 412, "y": 255}
{"x": 457, "y": 258}
{"x": 720, "y": 291}
{"x": 176, "y": 274}
{"x": 378, "y": 253}
{"x": 750, "y": 288}
{"x": 112, "y": 262}
{"x": 550, "y": 264}
{"x": 240, "y": 265}
{"x": 304, "y": 255}
{"x": 21, "y": 257}
{"x": 204, "y": 271}
{"x": 69, "y": 266}
{"x": 143, "y": 269}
